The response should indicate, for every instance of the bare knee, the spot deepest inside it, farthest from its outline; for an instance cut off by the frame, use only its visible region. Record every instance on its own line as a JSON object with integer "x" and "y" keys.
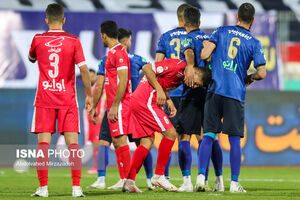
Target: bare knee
{"x": 147, "y": 142}
{"x": 120, "y": 141}
{"x": 104, "y": 143}
{"x": 71, "y": 138}
{"x": 170, "y": 134}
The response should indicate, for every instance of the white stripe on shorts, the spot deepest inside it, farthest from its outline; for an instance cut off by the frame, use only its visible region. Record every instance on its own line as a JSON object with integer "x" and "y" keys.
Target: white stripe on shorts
{"x": 33, "y": 121}
{"x": 161, "y": 126}
{"x": 120, "y": 119}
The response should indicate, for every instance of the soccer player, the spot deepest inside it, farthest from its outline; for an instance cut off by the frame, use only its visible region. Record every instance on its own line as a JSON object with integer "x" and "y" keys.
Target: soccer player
{"x": 191, "y": 109}
{"x": 94, "y": 129}
{"x": 147, "y": 116}
{"x": 136, "y": 64}
{"x": 57, "y": 53}
{"x": 118, "y": 91}
{"x": 169, "y": 47}
{"x": 232, "y": 48}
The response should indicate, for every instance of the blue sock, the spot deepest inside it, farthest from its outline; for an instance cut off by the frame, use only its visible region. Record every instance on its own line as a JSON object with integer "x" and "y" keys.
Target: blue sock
{"x": 148, "y": 165}
{"x": 235, "y": 156}
{"x": 207, "y": 168}
{"x": 204, "y": 153}
{"x": 102, "y": 160}
{"x": 168, "y": 165}
{"x": 185, "y": 157}
{"x": 217, "y": 158}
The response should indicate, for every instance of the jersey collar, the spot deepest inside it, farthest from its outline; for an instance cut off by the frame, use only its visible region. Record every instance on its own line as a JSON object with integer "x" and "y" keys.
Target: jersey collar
{"x": 115, "y": 46}
{"x": 56, "y": 30}
{"x": 242, "y": 28}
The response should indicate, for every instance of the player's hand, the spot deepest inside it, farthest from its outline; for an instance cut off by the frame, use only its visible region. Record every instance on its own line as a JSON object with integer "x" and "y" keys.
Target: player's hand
{"x": 161, "y": 98}
{"x": 89, "y": 103}
{"x": 249, "y": 80}
{"x": 93, "y": 114}
{"x": 171, "y": 107}
{"x": 189, "y": 76}
{"x": 113, "y": 113}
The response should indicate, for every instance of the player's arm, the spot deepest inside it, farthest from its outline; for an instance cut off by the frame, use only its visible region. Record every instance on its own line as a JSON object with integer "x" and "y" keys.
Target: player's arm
{"x": 123, "y": 78}
{"x": 189, "y": 70}
{"x": 207, "y": 50}
{"x": 159, "y": 57}
{"x": 97, "y": 95}
{"x": 151, "y": 76}
{"x": 260, "y": 74}
{"x": 32, "y": 55}
{"x": 85, "y": 76}
{"x": 171, "y": 107}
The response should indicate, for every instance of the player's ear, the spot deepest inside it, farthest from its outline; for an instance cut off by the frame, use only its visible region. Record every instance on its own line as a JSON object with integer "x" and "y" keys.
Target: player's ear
{"x": 46, "y": 20}
{"x": 253, "y": 19}
{"x": 64, "y": 20}
{"x": 199, "y": 22}
{"x": 237, "y": 17}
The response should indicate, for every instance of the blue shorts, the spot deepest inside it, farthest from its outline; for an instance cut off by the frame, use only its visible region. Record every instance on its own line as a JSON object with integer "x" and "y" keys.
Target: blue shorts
{"x": 105, "y": 131}
{"x": 231, "y": 110}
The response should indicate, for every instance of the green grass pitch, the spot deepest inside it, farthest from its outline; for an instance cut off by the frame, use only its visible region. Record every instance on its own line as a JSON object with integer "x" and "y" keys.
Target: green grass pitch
{"x": 260, "y": 182}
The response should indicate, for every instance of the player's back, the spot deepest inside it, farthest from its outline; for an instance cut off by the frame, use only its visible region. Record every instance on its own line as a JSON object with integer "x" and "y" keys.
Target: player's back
{"x": 169, "y": 44}
{"x": 236, "y": 48}
{"x": 57, "y": 52}
{"x": 136, "y": 64}
{"x": 117, "y": 59}
{"x": 194, "y": 40}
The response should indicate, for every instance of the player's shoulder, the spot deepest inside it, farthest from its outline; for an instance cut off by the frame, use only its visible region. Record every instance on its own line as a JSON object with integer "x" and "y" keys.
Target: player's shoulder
{"x": 102, "y": 60}
{"x": 175, "y": 32}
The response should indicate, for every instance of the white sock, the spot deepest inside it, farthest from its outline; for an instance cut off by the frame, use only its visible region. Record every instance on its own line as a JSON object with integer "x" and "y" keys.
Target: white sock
{"x": 101, "y": 179}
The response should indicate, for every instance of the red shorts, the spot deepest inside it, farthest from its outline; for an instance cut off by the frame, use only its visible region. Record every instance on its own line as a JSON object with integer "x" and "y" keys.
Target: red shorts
{"x": 44, "y": 120}
{"x": 120, "y": 127}
{"x": 146, "y": 118}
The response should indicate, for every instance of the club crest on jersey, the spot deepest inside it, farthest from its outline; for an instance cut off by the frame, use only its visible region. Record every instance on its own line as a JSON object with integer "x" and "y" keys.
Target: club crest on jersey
{"x": 160, "y": 69}
{"x": 121, "y": 60}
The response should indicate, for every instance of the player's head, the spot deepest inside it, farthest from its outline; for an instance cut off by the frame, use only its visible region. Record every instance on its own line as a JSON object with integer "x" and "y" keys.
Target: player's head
{"x": 180, "y": 11}
{"x": 191, "y": 17}
{"x": 55, "y": 14}
{"x": 246, "y": 13}
{"x": 202, "y": 76}
{"x": 93, "y": 76}
{"x": 108, "y": 30}
{"x": 124, "y": 37}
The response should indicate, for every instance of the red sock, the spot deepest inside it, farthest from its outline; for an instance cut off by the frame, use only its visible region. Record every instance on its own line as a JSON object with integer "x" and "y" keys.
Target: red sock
{"x": 164, "y": 151}
{"x": 119, "y": 166}
{"x": 124, "y": 157}
{"x": 137, "y": 161}
{"x": 75, "y": 163}
{"x": 95, "y": 153}
{"x": 42, "y": 163}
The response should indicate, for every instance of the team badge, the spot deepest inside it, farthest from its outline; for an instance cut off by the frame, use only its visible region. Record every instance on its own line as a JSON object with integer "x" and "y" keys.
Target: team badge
{"x": 121, "y": 60}
{"x": 160, "y": 69}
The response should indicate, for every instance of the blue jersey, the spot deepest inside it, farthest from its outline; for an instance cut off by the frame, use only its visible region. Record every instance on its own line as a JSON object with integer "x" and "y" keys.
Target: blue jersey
{"x": 236, "y": 48}
{"x": 136, "y": 64}
{"x": 169, "y": 44}
{"x": 194, "y": 40}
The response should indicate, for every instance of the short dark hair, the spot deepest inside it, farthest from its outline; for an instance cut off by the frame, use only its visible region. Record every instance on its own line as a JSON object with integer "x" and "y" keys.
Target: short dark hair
{"x": 246, "y": 12}
{"x": 110, "y": 28}
{"x": 124, "y": 33}
{"x": 181, "y": 9}
{"x": 206, "y": 75}
{"x": 192, "y": 16}
{"x": 54, "y": 12}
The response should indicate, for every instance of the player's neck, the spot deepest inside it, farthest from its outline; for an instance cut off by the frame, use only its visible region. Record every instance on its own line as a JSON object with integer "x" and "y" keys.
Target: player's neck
{"x": 244, "y": 25}
{"x": 190, "y": 29}
{"x": 180, "y": 24}
{"x": 55, "y": 26}
{"x": 112, "y": 43}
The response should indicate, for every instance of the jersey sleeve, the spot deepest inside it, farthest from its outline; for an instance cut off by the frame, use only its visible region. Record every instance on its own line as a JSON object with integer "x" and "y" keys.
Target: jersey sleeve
{"x": 101, "y": 67}
{"x": 259, "y": 55}
{"x": 161, "y": 47}
{"x": 214, "y": 38}
{"x": 32, "y": 53}
{"x": 78, "y": 54}
{"x": 121, "y": 60}
{"x": 187, "y": 43}
{"x": 163, "y": 67}
{"x": 141, "y": 62}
